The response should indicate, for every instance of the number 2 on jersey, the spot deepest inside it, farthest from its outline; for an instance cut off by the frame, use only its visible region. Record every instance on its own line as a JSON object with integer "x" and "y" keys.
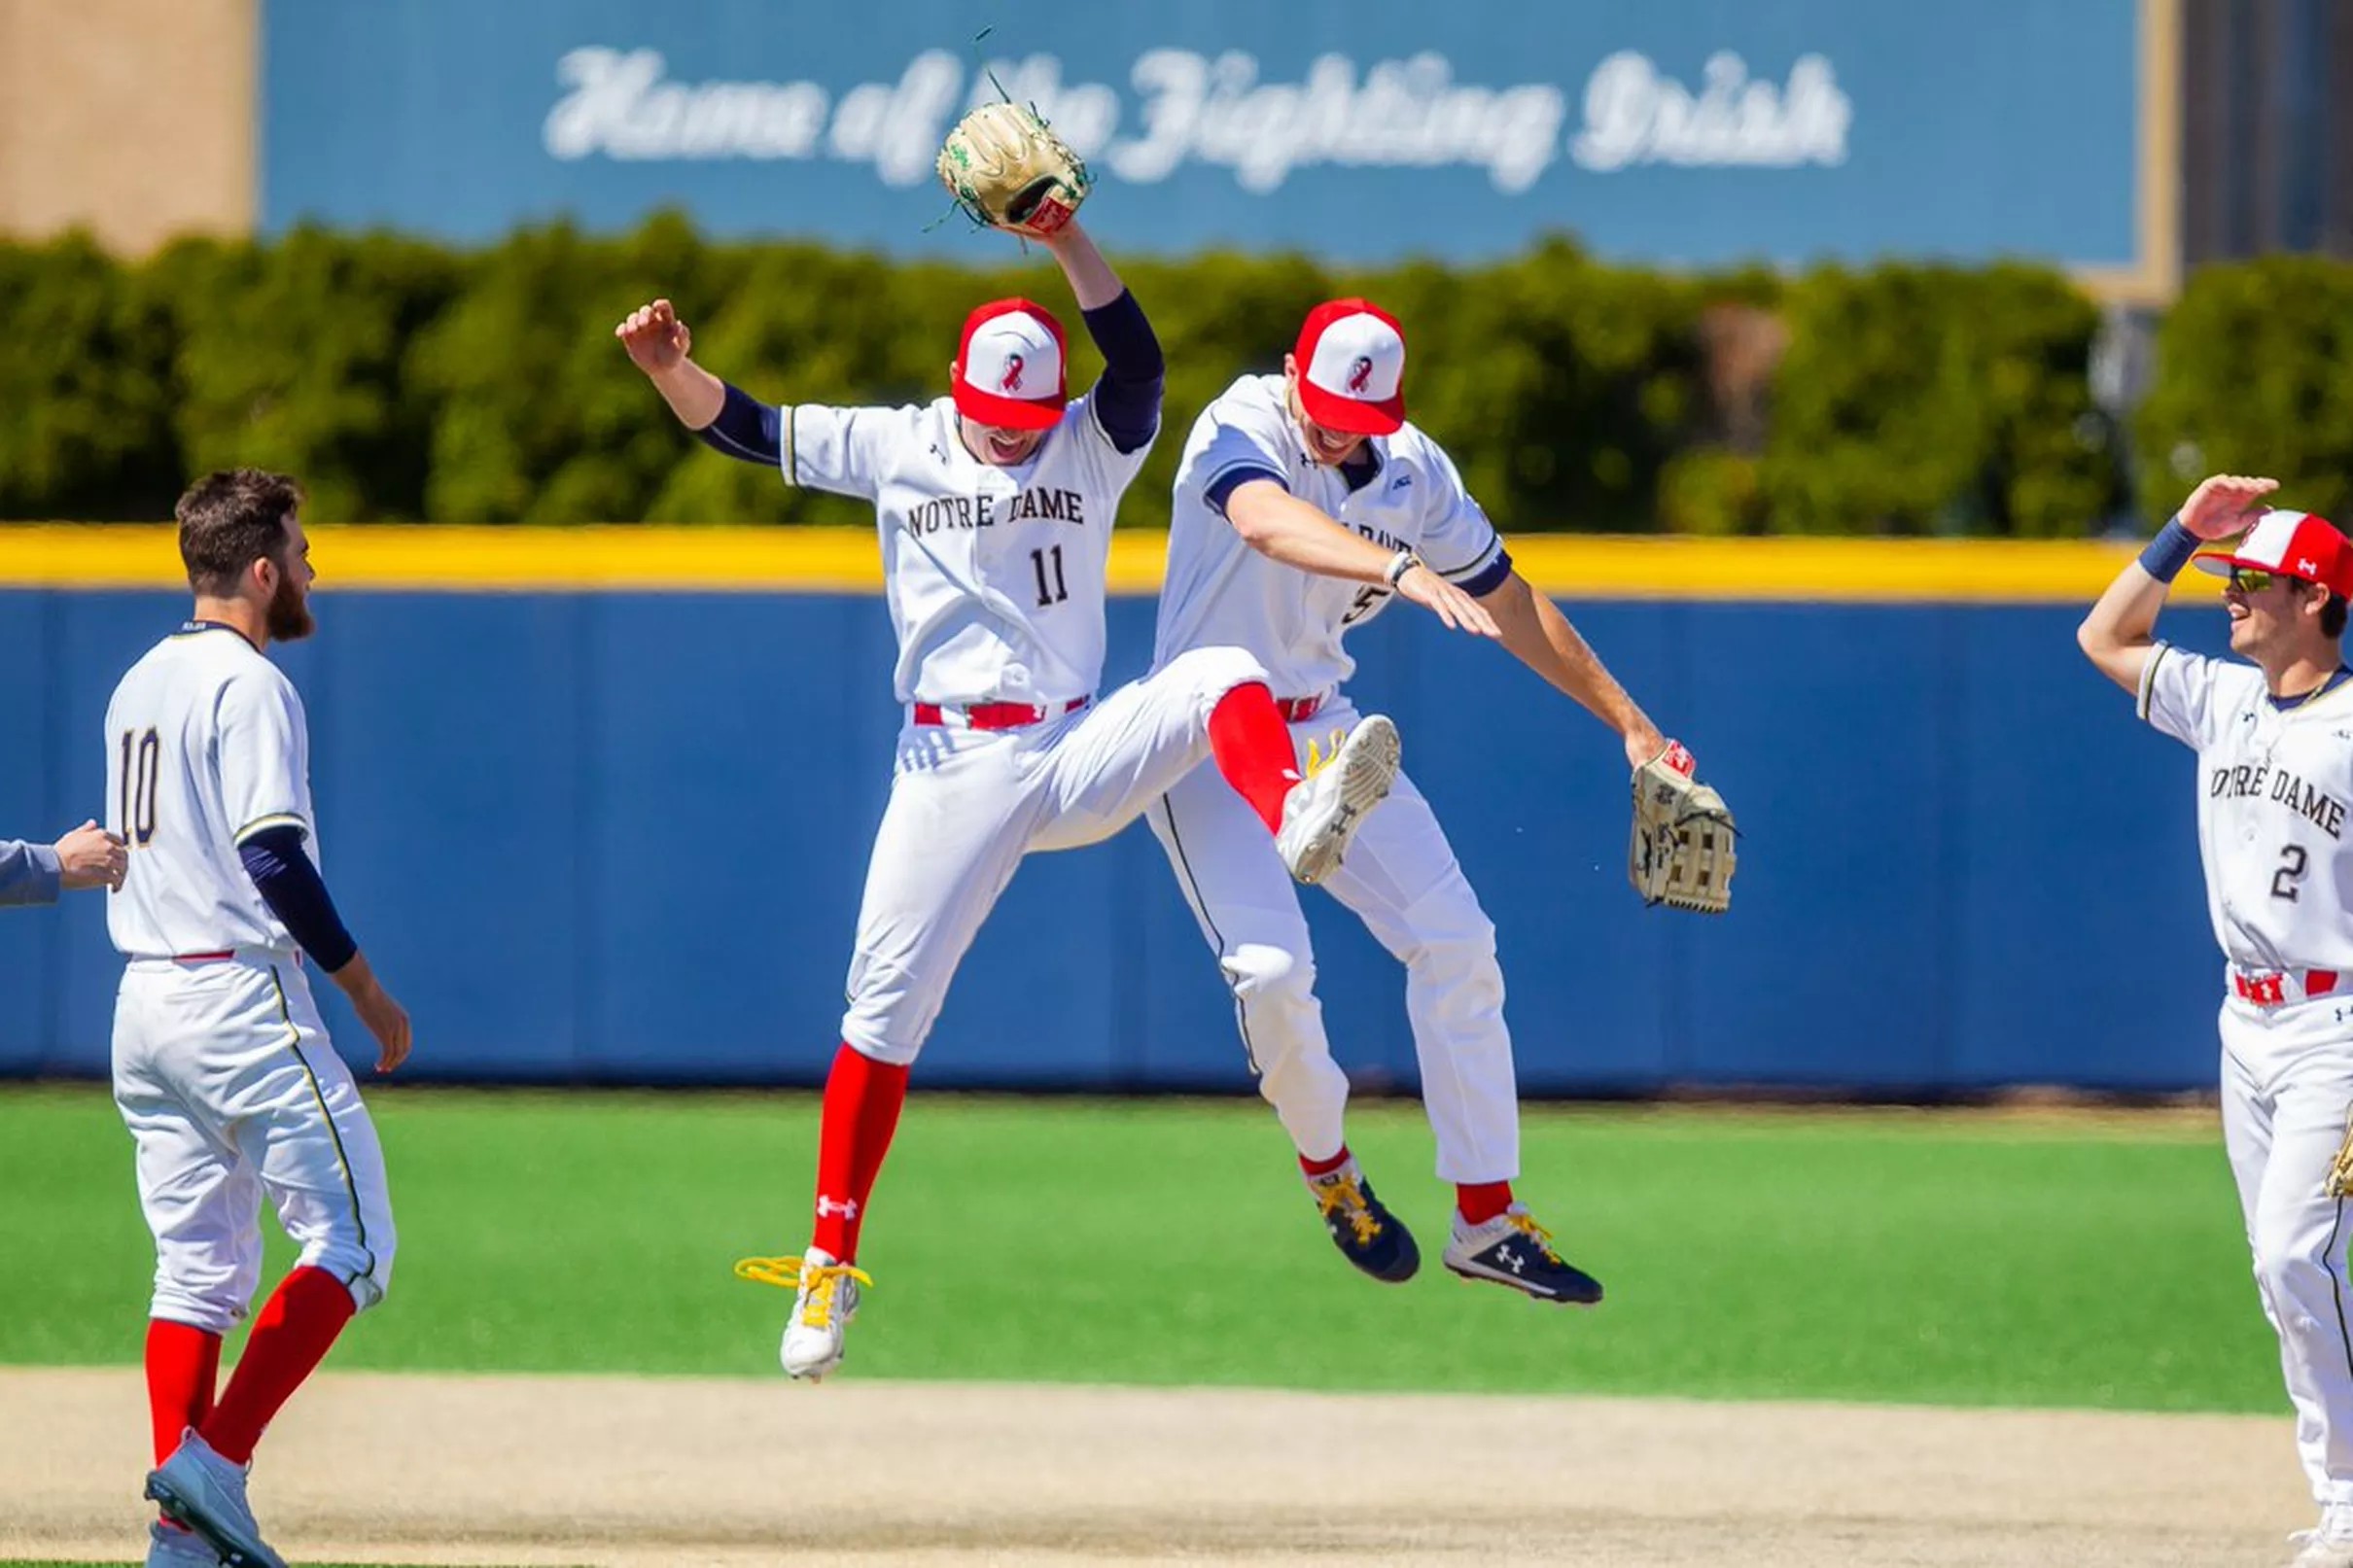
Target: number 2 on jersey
{"x": 142, "y": 756}
{"x": 1058, "y": 590}
{"x": 2293, "y": 861}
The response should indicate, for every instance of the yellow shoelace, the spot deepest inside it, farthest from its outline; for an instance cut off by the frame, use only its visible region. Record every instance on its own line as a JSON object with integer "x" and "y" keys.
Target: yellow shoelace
{"x": 1344, "y": 1194}
{"x": 1526, "y": 1225}
{"x": 792, "y": 1273}
{"x": 1318, "y": 761}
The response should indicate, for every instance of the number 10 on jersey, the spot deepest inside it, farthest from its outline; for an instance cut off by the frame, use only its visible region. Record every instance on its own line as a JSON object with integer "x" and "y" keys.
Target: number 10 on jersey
{"x": 142, "y": 755}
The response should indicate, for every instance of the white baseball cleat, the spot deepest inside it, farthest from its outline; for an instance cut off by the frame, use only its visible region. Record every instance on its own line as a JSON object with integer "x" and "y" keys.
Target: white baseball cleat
{"x": 825, "y": 1301}
{"x": 2331, "y": 1545}
{"x": 207, "y": 1493}
{"x": 1323, "y": 810}
{"x": 168, "y": 1546}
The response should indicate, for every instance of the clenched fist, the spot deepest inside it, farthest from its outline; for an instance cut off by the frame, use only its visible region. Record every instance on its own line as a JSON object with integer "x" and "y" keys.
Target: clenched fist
{"x": 89, "y": 856}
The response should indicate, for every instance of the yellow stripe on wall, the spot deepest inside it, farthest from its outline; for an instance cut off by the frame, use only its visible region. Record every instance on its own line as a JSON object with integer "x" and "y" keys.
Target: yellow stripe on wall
{"x": 847, "y": 560}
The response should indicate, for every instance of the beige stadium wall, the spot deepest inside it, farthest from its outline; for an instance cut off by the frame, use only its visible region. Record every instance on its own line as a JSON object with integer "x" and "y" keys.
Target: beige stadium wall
{"x": 132, "y": 119}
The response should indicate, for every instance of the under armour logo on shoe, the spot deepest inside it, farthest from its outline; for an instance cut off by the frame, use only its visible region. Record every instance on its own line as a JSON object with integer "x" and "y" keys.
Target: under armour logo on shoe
{"x": 1511, "y": 1260}
{"x": 846, "y": 1208}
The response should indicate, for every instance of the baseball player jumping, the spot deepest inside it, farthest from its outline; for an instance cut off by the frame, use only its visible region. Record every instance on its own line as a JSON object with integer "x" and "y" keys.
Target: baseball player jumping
{"x": 994, "y": 506}
{"x": 1304, "y": 503}
{"x": 89, "y": 856}
{"x": 2274, "y": 745}
{"x": 221, "y": 1067}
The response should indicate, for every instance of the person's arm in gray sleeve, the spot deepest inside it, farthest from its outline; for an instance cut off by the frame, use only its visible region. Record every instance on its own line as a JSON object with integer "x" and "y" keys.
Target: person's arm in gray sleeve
{"x": 89, "y": 856}
{"x": 30, "y": 873}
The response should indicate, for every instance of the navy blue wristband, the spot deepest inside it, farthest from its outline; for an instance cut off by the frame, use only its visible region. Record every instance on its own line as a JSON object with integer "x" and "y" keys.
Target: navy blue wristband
{"x": 2169, "y": 551}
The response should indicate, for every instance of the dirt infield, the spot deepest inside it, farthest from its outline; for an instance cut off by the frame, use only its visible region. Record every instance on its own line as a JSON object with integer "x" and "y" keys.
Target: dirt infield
{"x": 630, "y": 1472}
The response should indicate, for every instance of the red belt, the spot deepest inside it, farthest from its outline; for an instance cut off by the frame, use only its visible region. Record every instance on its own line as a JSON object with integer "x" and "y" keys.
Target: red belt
{"x": 201, "y": 958}
{"x": 2270, "y": 988}
{"x": 996, "y": 715}
{"x": 1297, "y": 709}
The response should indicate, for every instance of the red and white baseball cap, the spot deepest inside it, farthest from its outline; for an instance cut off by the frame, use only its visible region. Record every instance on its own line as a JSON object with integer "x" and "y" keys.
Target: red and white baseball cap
{"x": 1351, "y": 368}
{"x": 1010, "y": 367}
{"x": 2294, "y": 544}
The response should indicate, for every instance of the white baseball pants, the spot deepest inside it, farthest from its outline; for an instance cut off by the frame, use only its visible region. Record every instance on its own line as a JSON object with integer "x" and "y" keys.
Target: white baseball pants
{"x": 223, "y": 1075}
{"x": 2287, "y": 1096}
{"x": 967, "y": 805}
{"x": 1401, "y": 878}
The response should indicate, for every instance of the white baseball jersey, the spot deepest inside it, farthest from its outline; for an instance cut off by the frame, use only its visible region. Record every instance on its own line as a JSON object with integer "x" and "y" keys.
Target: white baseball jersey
{"x": 994, "y": 575}
{"x": 205, "y": 745}
{"x": 2274, "y": 786}
{"x": 1220, "y": 591}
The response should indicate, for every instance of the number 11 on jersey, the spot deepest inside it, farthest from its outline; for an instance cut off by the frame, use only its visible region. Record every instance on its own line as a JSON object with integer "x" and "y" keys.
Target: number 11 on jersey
{"x": 1055, "y": 592}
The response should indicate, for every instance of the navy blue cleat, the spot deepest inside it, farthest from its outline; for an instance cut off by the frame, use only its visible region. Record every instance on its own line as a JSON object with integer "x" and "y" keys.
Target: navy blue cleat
{"x": 1512, "y": 1249}
{"x": 1364, "y": 1231}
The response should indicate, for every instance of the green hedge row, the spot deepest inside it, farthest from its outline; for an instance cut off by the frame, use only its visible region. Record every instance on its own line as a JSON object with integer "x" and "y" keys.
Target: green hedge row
{"x": 403, "y": 381}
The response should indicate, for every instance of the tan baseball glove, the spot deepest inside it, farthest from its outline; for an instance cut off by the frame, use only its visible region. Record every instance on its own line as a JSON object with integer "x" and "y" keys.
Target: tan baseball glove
{"x": 1008, "y": 170}
{"x": 1682, "y": 853}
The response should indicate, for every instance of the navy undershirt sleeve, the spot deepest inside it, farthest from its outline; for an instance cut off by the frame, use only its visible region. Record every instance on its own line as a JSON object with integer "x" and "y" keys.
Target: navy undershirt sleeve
{"x": 291, "y": 888}
{"x": 747, "y": 429}
{"x": 1490, "y": 578}
{"x": 1232, "y": 479}
{"x": 1127, "y": 398}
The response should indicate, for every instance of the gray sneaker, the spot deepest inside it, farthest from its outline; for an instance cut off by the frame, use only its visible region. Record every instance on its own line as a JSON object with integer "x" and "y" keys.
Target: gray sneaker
{"x": 1323, "y": 810}
{"x": 207, "y": 1493}
{"x": 169, "y": 1548}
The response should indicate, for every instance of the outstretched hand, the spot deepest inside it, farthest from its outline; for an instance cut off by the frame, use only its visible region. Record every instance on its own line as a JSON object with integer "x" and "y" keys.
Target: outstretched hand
{"x": 657, "y": 342}
{"x": 2223, "y": 505}
{"x": 1456, "y": 609}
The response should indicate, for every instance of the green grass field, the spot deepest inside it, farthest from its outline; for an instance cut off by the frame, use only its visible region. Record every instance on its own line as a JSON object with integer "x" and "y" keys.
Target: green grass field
{"x": 1948, "y": 1258}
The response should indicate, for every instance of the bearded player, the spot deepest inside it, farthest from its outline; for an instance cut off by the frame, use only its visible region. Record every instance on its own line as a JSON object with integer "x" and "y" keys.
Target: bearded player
{"x": 223, "y": 1069}
{"x": 1304, "y": 503}
{"x": 994, "y": 507}
{"x": 2274, "y": 742}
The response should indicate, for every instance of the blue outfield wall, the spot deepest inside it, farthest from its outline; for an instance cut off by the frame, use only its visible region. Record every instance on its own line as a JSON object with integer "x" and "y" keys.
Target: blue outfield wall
{"x": 620, "y": 838}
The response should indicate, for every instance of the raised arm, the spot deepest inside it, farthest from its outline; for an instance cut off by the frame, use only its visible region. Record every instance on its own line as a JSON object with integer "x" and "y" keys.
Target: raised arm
{"x": 1127, "y": 398}
{"x": 2120, "y": 631}
{"x": 724, "y": 417}
{"x": 1092, "y": 281}
{"x": 1541, "y": 638}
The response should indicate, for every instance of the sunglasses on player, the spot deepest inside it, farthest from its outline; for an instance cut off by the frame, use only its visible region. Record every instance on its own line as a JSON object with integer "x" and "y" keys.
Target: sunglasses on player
{"x": 2252, "y": 579}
